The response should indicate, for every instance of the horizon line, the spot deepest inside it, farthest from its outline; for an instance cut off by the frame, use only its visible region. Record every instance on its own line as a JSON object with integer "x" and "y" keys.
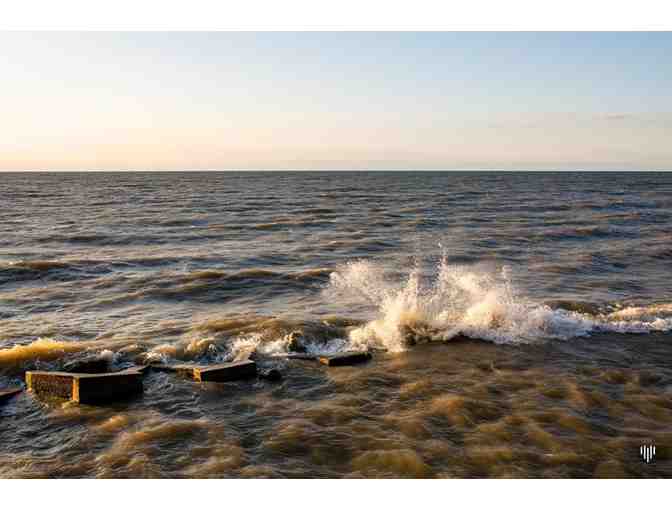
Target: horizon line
{"x": 354, "y": 170}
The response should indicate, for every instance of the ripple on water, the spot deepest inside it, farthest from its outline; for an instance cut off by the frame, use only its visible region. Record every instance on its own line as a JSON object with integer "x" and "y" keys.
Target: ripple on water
{"x": 210, "y": 267}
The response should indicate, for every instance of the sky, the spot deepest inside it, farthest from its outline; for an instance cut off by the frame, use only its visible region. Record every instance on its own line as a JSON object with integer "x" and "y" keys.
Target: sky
{"x": 335, "y": 100}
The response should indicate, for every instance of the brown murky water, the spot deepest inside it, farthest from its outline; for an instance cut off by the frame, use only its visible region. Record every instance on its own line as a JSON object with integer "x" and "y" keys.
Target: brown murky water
{"x": 570, "y": 374}
{"x": 468, "y": 409}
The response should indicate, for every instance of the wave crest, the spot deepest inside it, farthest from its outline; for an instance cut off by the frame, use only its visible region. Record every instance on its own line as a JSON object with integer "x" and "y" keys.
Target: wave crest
{"x": 42, "y": 349}
{"x": 467, "y": 301}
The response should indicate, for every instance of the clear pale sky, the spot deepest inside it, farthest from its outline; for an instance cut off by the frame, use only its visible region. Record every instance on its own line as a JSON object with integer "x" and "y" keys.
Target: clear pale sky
{"x": 335, "y": 100}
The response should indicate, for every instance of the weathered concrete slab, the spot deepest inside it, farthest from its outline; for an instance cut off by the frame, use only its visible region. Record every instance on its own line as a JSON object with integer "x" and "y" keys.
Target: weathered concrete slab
{"x": 143, "y": 369}
{"x": 186, "y": 370}
{"x": 345, "y": 358}
{"x": 8, "y": 393}
{"x": 226, "y": 371}
{"x": 300, "y": 356}
{"x": 53, "y": 384}
{"x": 136, "y": 369}
{"x": 159, "y": 367}
{"x": 216, "y": 373}
{"x": 85, "y": 388}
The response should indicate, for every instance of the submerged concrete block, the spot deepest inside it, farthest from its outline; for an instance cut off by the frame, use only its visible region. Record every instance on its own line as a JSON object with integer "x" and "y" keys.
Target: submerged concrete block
{"x": 184, "y": 369}
{"x": 345, "y": 358}
{"x": 8, "y": 393}
{"x": 52, "y": 384}
{"x": 85, "y": 388}
{"x": 301, "y": 356}
{"x": 226, "y": 371}
{"x": 143, "y": 369}
{"x": 216, "y": 373}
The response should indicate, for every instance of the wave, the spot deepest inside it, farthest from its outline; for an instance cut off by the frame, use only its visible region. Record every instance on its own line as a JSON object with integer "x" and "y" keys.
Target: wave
{"x": 25, "y": 270}
{"x": 207, "y": 285}
{"x": 276, "y": 224}
{"x": 256, "y": 274}
{"x": 452, "y": 303}
{"x": 51, "y": 270}
{"x": 212, "y": 284}
{"x": 240, "y": 336}
{"x": 38, "y": 265}
{"x": 396, "y": 310}
{"x": 651, "y": 313}
{"x": 469, "y": 301}
{"x": 40, "y": 350}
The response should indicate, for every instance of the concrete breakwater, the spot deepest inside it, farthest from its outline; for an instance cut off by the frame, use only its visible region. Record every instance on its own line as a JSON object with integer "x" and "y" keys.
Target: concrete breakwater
{"x": 85, "y": 388}
{"x": 99, "y": 388}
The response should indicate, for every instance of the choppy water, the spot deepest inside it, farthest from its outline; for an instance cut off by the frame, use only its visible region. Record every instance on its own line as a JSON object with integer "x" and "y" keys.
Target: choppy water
{"x": 520, "y": 322}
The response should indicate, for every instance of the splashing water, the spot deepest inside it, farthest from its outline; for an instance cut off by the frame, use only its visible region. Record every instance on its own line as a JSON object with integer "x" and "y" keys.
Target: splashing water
{"x": 468, "y": 301}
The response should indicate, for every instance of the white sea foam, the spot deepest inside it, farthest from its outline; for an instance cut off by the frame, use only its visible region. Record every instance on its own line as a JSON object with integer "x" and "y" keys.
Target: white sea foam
{"x": 241, "y": 347}
{"x": 470, "y": 301}
{"x": 187, "y": 349}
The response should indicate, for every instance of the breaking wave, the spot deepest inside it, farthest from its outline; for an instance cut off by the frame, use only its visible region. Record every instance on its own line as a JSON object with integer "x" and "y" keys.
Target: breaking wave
{"x": 238, "y": 337}
{"x": 396, "y": 310}
{"x": 453, "y": 302}
{"x": 42, "y": 349}
{"x": 468, "y": 301}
